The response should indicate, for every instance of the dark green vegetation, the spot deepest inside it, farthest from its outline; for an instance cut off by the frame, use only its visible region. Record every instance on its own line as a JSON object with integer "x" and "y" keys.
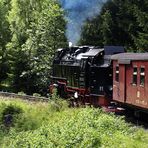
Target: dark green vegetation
{"x": 121, "y": 22}
{"x": 31, "y": 31}
{"x": 55, "y": 125}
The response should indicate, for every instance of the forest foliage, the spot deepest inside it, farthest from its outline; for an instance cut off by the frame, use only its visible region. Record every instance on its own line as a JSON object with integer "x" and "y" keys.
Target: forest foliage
{"x": 31, "y": 31}
{"x": 39, "y": 124}
{"x": 121, "y": 22}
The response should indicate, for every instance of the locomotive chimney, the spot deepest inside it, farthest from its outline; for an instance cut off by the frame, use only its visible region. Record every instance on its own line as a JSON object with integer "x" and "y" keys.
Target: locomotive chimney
{"x": 70, "y": 44}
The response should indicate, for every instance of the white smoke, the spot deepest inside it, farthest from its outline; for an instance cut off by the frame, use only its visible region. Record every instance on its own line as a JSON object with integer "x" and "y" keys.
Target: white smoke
{"x": 78, "y": 11}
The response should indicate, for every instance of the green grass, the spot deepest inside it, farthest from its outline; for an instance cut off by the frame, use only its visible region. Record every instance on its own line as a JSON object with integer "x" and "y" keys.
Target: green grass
{"x": 55, "y": 125}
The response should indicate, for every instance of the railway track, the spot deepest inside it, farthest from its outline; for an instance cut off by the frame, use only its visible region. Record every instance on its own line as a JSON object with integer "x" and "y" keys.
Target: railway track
{"x": 137, "y": 121}
{"x": 23, "y": 97}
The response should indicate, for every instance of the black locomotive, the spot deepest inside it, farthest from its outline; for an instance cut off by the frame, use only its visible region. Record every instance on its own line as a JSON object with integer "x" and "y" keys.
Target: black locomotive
{"x": 84, "y": 73}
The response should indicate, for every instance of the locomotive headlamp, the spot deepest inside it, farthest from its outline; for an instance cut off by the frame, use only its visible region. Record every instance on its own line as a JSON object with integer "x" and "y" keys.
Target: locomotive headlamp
{"x": 110, "y": 88}
{"x": 76, "y": 95}
{"x": 55, "y": 85}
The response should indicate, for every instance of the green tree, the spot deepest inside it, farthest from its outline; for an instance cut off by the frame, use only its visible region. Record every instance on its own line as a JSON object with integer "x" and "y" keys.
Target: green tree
{"x": 122, "y": 23}
{"x": 106, "y": 28}
{"x": 91, "y": 34}
{"x": 140, "y": 11}
{"x": 4, "y": 38}
{"x": 38, "y": 29}
{"x": 20, "y": 18}
{"x": 46, "y": 36}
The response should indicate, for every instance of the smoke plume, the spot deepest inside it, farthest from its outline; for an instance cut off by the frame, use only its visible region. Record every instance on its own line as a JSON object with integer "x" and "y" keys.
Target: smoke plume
{"x": 78, "y": 11}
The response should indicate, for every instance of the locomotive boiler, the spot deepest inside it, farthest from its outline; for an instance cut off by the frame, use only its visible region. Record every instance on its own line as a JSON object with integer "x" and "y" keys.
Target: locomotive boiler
{"x": 84, "y": 74}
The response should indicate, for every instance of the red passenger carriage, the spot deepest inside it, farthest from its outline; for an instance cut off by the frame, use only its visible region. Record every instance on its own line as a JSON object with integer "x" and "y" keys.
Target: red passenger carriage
{"x": 130, "y": 79}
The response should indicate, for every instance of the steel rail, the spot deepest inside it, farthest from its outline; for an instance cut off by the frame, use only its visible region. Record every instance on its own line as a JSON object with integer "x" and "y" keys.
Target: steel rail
{"x": 23, "y": 97}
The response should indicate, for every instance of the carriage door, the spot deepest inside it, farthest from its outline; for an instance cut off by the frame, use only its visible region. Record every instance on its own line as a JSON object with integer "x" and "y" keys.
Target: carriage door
{"x": 119, "y": 83}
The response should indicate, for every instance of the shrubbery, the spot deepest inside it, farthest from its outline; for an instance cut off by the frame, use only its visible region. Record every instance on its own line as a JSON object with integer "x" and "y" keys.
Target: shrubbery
{"x": 43, "y": 125}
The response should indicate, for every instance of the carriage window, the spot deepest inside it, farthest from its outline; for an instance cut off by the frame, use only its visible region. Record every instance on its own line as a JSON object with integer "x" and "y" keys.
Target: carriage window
{"x": 142, "y": 76}
{"x": 135, "y": 75}
{"x": 117, "y": 73}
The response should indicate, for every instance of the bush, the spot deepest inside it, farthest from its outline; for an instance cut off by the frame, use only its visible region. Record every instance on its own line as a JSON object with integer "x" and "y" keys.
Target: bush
{"x": 57, "y": 103}
{"x": 9, "y": 114}
{"x": 25, "y": 116}
{"x": 41, "y": 125}
{"x": 80, "y": 128}
{"x": 22, "y": 115}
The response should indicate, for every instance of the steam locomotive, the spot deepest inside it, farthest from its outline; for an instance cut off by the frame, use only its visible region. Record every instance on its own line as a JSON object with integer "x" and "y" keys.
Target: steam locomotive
{"x": 84, "y": 73}
{"x": 98, "y": 76}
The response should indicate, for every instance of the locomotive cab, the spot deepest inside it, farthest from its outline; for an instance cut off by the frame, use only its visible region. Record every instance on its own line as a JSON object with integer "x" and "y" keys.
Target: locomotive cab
{"x": 101, "y": 81}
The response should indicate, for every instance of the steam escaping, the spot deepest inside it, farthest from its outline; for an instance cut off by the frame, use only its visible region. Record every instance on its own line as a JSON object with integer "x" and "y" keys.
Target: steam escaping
{"x": 78, "y": 11}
